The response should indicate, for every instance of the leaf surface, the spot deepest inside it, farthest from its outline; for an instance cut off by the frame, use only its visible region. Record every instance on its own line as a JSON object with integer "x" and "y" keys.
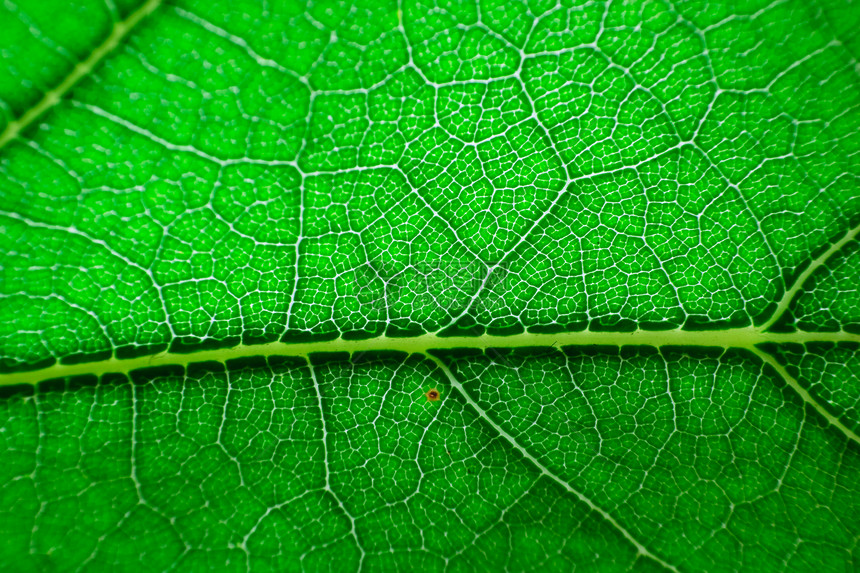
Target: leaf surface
{"x": 243, "y": 243}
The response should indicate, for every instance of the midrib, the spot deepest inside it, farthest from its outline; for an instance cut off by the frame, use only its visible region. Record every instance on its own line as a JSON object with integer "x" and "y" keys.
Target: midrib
{"x": 747, "y": 338}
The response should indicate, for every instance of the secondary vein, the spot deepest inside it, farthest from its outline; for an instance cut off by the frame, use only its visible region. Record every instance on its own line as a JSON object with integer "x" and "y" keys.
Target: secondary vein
{"x": 120, "y": 30}
{"x": 818, "y": 262}
{"x": 641, "y": 549}
{"x": 805, "y": 395}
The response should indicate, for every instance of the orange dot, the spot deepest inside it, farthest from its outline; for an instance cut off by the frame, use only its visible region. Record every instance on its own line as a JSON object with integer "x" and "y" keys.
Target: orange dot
{"x": 433, "y": 394}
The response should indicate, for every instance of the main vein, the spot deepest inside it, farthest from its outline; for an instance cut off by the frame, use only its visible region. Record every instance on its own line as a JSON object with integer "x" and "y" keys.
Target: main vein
{"x": 747, "y": 337}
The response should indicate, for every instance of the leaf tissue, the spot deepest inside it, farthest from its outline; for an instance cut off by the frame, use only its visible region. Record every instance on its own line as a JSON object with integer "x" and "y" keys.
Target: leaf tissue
{"x": 430, "y": 285}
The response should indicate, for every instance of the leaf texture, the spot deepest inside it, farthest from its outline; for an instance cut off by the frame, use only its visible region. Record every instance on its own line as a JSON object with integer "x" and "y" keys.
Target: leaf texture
{"x": 243, "y": 242}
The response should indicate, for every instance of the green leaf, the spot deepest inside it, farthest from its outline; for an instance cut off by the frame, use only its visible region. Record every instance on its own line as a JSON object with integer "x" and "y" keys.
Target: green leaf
{"x": 429, "y": 286}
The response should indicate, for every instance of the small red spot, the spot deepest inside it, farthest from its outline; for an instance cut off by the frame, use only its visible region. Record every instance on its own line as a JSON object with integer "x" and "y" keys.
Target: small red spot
{"x": 433, "y": 394}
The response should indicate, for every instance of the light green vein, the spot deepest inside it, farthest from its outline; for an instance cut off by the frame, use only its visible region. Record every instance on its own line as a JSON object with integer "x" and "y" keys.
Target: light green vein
{"x": 640, "y": 548}
{"x": 817, "y": 263}
{"x": 804, "y": 394}
{"x": 120, "y": 30}
{"x": 747, "y": 337}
